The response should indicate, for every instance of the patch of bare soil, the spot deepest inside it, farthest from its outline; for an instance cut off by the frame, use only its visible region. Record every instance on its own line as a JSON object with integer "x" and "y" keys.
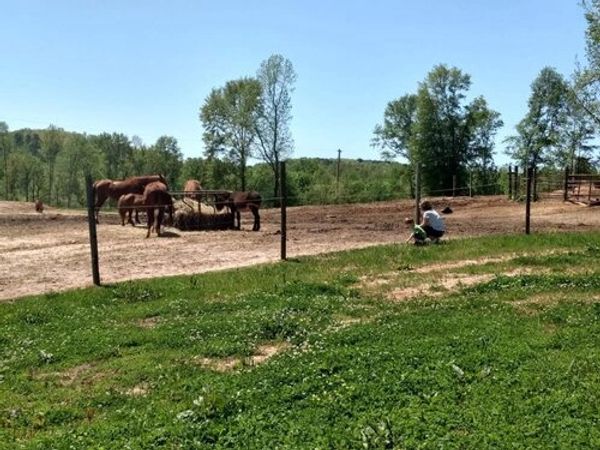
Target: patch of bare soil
{"x": 448, "y": 283}
{"x": 139, "y": 390}
{"x": 41, "y": 253}
{"x": 81, "y": 374}
{"x": 148, "y": 322}
{"x": 262, "y": 353}
{"x": 536, "y": 304}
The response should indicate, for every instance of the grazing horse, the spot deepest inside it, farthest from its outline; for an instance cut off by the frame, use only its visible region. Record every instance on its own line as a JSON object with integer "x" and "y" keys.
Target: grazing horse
{"x": 127, "y": 203}
{"x": 156, "y": 196}
{"x": 39, "y": 206}
{"x": 104, "y": 189}
{"x": 240, "y": 201}
{"x": 189, "y": 188}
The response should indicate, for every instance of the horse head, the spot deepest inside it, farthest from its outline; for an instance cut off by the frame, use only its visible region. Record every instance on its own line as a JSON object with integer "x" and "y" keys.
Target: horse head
{"x": 222, "y": 199}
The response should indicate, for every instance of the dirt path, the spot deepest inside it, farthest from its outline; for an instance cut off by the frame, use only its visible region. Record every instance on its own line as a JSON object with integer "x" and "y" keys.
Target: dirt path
{"x": 49, "y": 252}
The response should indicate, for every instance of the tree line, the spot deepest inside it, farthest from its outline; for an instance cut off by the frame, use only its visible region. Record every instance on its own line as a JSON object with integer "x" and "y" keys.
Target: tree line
{"x": 51, "y": 164}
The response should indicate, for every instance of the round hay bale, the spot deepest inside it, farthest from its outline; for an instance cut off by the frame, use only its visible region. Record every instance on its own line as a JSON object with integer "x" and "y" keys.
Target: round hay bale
{"x": 192, "y": 215}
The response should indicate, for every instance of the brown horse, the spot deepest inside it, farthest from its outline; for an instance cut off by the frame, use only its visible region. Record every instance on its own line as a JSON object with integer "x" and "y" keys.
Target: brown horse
{"x": 240, "y": 201}
{"x": 127, "y": 204}
{"x": 104, "y": 189}
{"x": 189, "y": 189}
{"x": 156, "y": 196}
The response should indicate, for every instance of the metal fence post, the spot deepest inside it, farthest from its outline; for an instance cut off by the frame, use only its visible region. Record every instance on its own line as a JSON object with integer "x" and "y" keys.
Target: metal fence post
{"x": 470, "y": 183}
{"x": 566, "y": 185}
{"x": 92, "y": 227}
{"x": 510, "y": 183}
{"x": 516, "y": 190}
{"x": 283, "y": 196}
{"x": 528, "y": 201}
{"x": 417, "y": 193}
{"x": 453, "y": 186}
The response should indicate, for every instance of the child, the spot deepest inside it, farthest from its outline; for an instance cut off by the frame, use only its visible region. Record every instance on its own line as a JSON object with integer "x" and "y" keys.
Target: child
{"x": 417, "y": 233}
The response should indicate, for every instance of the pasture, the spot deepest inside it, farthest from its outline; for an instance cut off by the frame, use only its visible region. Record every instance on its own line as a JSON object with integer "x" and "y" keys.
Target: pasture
{"x": 477, "y": 343}
{"x": 49, "y": 252}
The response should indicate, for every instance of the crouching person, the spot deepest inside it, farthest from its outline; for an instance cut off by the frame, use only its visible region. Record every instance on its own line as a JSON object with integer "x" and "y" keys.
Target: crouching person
{"x": 433, "y": 224}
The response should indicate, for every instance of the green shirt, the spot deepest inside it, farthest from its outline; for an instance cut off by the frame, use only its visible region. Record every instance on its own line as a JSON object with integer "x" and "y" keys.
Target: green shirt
{"x": 419, "y": 232}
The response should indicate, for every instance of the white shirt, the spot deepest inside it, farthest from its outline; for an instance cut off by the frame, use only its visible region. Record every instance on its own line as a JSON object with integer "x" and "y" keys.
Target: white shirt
{"x": 434, "y": 220}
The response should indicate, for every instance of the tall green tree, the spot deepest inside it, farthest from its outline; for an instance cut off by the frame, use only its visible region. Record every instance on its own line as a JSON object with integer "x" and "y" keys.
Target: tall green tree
{"x": 540, "y": 134}
{"x": 229, "y": 116}
{"x": 482, "y": 125}
{"x": 165, "y": 157}
{"x": 587, "y": 78}
{"x": 118, "y": 153}
{"x": 79, "y": 157}
{"x": 437, "y": 129}
{"x": 52, "y": 142}
{"x": 274, "y": 144}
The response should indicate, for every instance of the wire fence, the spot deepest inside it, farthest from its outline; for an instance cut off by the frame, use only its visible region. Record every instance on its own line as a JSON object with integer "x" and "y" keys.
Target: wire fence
{"x": 526, "y": 187}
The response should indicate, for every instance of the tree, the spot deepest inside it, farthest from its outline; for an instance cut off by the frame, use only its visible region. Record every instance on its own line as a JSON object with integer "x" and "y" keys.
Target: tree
{"x": 438, "y": 130}
{"x": 78, "y": 158}
{"x": 482, "y": 123}
{"x": 395, "y": 135}
{"x": 277, "y": 77}
{"x": 5, "y": 146}
{"x": 118, "y": 152}
{"x": 165, "y": 158}
{"x": 52, "y": 141}
{"x": 587, "y": 78}
{"x": 229, "y": 119}
{"x": 540, "y": 134}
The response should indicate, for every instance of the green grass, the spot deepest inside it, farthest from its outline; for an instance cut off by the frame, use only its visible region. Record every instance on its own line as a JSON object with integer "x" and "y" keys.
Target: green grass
{"x": 510, "y": 362}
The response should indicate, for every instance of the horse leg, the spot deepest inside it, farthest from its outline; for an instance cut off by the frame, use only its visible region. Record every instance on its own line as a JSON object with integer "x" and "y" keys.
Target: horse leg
{"x": 131, "y": 221}
{"x": 98, "y": 204}
{"x": 238, "y": 218}
{"x": 137, "y": 217}
{"x": 150, "y": 214}
{"x": 256, "y": 226}
{"x": 159, "y": 219}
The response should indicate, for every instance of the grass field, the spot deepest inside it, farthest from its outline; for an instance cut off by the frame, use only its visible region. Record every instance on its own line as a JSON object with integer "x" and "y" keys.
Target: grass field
{"x": 483, "y": 343}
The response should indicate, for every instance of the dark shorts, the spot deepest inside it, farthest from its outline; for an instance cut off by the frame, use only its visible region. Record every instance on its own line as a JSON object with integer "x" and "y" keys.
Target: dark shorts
{"x": 431, "y": 232}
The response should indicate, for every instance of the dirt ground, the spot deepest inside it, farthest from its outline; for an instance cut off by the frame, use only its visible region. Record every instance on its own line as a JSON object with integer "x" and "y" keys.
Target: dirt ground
{"x": 50, "y": 252}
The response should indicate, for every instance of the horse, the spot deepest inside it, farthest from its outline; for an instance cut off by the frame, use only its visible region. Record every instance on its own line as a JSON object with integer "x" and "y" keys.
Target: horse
{"x": 155, "y": 197}
{"x": 127, "y": 203}
{"x": 189, "y": 189}
{"x": 240, "y": 201}
{"x": 104, "y": 189}
{"x": 39, "y": 206}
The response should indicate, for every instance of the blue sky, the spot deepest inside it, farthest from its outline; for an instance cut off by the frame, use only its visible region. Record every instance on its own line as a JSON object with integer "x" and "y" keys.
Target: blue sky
{"x": 145, "y": 67}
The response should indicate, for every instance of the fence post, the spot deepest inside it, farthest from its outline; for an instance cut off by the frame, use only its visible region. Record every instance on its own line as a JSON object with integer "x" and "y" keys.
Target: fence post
{"x": 510, "y": 183}
{"x": 535, "y": 181}
{"x": 566, "y": 186}
{"x": 453, "y": 186}
{"x": 528, "y": 200}
{"x": 417, "y": 194}
{"x": 470, "y": 183}
{"x": 92, "y": 227}
{"x": 283, "y": 197}
{"x": 516, "y": 190}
